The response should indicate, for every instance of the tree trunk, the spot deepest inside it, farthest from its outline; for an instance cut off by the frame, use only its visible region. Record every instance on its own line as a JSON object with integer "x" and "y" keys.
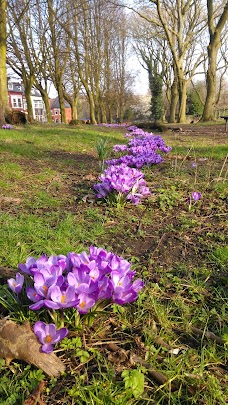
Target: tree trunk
{"x": 4, "y": 104}
{"x": 28, "y": 87}
{"x": 74, "y": 109}
{"x": 45, "y": 99}
{"x": 103, "y": 112}
{"x": 61, "y": 103}
{"x": 215, "y": 32}
{"x": 92, "y": 109}
{"x": 90, "y": 98}
{"x": 182, "y": 100}
{"x": 209, "y": 106}
{"x": 174, "y": 100}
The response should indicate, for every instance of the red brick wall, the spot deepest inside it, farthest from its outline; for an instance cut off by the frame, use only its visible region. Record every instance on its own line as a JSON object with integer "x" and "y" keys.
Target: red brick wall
{"x": 58, "y": 116}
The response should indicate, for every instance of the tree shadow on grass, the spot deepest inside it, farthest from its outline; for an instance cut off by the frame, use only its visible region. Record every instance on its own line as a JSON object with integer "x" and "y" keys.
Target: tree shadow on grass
{"x": 38, "y": 157}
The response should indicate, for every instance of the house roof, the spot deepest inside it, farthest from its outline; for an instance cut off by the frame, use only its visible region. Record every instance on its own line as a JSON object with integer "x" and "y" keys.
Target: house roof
{"x": 55, "y": 103}
{"x": 15, "y": 87}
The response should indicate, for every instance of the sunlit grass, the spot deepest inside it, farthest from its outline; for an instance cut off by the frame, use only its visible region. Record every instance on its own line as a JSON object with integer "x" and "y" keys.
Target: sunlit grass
{"x": 47, "y": 174}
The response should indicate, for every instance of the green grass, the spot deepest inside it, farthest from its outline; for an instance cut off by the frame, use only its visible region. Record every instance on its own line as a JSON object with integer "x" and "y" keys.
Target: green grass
{"x": 47, "y": 176}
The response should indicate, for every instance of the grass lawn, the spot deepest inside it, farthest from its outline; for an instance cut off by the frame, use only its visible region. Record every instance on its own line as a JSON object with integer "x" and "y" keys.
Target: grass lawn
{"x": 170, "y": 345}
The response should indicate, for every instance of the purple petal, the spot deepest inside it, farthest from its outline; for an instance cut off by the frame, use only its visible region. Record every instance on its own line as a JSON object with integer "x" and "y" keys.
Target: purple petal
{"x": 39, "y": 330}
{"x": 32, "y": 294}
{"x": 47, "y": 348}
{"x": 60, "y": 335}
{"x": 37, "y": 305}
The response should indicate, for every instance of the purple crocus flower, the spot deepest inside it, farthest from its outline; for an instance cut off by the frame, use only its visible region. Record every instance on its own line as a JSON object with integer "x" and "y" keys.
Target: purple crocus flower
{"x": 42, "y": 285}
{"x": 79, "y": 280}
{"x": 120, "y": 148}
{"x": 51, "y": 264}
{"x": 7, "y": 126}
{"x": 105, "y": 288}
{"x": 28, "y": 266}
{"x": 196, "y": 196}
{"x": 61, "y": 299}
{"x": 17, "y": 283}
{"x": 34, "y": 297}
{"x": 124, "y": 291}
{"x": 85, "y": 303}
{"x": 124, "y": 296}
{"x": 48, "y": 335}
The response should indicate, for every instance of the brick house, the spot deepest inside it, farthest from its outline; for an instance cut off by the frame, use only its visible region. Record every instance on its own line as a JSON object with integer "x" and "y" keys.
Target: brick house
{"x": 17, "y": 100}
{"x": 55, "y": 111}
{"x": 16, "y": 96}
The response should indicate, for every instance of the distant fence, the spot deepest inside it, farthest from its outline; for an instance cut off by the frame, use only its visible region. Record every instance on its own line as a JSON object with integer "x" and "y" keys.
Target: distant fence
{"x": 221, "y": 112}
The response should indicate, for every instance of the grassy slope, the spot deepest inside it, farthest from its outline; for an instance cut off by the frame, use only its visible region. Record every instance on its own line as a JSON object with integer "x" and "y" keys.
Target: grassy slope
{"x": 180, "y": 254}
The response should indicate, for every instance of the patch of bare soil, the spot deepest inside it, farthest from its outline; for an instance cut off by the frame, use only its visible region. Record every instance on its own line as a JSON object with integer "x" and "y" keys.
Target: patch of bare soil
{"x": 216, "y": 132}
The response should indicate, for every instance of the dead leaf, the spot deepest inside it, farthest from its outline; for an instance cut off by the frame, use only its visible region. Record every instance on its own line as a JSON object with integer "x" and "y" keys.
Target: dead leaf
{"x": 35, "y": 397}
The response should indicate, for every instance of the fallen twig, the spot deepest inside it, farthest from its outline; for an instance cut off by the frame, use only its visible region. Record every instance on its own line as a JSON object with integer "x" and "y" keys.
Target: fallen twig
{"x": 160, "y": 378}
{"x": 208, "y": 335}
{"x": 5, "y": 272}
{"x": 19, "y": 342}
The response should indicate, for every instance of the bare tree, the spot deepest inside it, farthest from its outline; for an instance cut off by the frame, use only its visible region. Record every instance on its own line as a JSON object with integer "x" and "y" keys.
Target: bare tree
{"x": 3, "y": 76}
{"x": 216, "y": 24}
{"x": 152, "y": 50}
{"x": 72, "y": 85}
{"x": 182, "y": 22}
{"x": 19, "y": 44}
{"x": 27, "y": 50}
{"x": 60, "y": 48}
{"x": 98, "y": 44}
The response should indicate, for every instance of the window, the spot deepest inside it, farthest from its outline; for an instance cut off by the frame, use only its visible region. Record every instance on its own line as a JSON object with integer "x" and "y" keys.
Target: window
{"x": 56, "y": 112}
{"x": 17, "y": 102}
{"x": 10, "y": 86}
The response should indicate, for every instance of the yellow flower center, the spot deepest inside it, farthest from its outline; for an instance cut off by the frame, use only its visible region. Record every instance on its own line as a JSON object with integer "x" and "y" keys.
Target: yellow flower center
{"x": 63, "y": 299}
{"x": 82, "y": 305}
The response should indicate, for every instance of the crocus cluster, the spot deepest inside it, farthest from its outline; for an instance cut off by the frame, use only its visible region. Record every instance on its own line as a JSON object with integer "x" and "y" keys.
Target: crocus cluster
{"x": 134, "y": 131}
{"x": 78, "y": 280}
{"x": 7, "y": 126}
{"x": 113, "y": 125}
{"x": 141, "y": 149}
{"x": 123, "y": 182}
{"x": 119, "y": 182}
